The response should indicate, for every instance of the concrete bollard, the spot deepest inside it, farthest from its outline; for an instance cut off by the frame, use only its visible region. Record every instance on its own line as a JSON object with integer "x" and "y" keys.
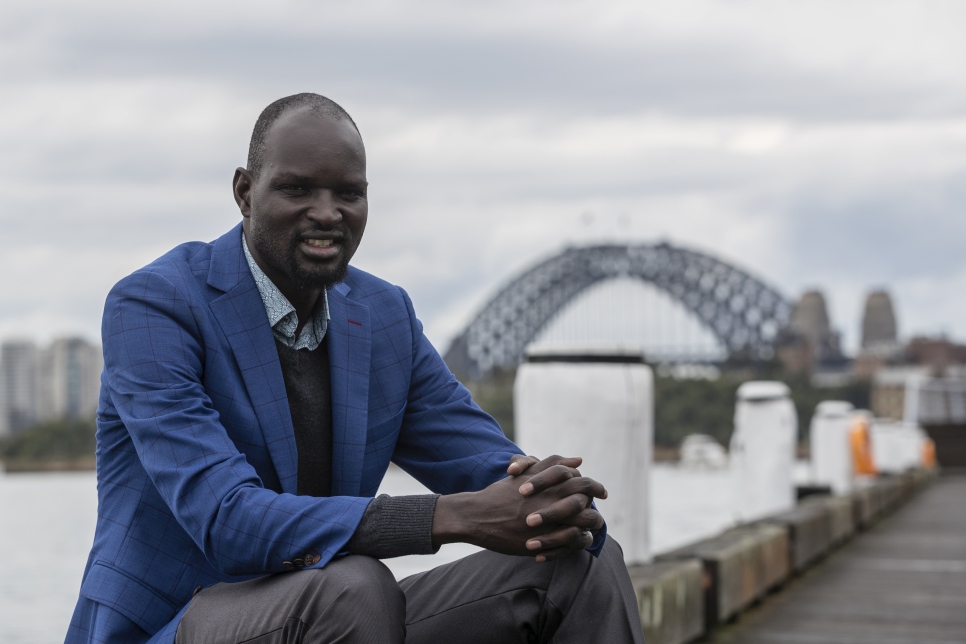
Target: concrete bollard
{"x": 740, "y": 566}
{"x": 890, "y": 488}
{"x": 763, "y": 450}
{"x": 809, "y": 533}
{"x": 768, "y": 555}
{"x": 598, "y": 404}
{"x": 832, "y": 461}
{"x": 841, "y": 512}
{"x": 880, "y": 493}
{"x": 670, "y": 600}
{"x": 864, "y": 505}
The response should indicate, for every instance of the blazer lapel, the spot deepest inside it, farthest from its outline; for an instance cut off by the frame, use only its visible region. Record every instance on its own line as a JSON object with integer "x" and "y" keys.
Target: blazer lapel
{"x": 350, "y": 345}
{"x": 242, "y": 317}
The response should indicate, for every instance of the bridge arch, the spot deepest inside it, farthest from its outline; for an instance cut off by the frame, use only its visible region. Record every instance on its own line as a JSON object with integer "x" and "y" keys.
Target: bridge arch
{"x": 743, "y": 312}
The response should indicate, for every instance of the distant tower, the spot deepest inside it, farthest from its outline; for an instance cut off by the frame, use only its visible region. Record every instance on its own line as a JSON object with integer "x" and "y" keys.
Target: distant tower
{"x": 810, "y": 318}
{"x": 810, "y": 321}
{"x": 18, "y": 386}
{"x": 879, "y": 323}
{"x": 68, "y": 379}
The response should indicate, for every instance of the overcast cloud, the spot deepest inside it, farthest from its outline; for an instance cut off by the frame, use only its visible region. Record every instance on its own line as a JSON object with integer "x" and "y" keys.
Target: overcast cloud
{"x": 816, "y": 144}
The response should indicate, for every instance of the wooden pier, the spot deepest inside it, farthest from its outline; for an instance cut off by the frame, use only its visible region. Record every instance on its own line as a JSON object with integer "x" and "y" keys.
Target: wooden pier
{"x": 903, "y": 581}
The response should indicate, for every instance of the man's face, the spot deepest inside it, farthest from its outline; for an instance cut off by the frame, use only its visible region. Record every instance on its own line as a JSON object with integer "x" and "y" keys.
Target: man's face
{"x": 305, "y": 213}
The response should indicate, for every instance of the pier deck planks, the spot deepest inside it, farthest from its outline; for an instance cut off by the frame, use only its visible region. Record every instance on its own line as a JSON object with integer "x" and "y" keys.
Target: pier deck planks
{"x": 902, "y": 582}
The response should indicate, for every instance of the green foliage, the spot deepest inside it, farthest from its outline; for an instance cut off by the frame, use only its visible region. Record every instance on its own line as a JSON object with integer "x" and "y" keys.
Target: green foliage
{"x": 495, "y": 396}
{"x": 60, "y": 440}
{"x": 683, "y": 407}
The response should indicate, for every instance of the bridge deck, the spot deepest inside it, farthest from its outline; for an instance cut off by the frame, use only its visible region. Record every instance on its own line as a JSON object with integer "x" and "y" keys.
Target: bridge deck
{"x": 903, "y": 582}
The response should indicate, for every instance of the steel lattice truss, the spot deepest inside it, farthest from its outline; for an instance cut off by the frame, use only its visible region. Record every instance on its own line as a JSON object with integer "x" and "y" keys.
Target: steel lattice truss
{"x": 744, "y": 313}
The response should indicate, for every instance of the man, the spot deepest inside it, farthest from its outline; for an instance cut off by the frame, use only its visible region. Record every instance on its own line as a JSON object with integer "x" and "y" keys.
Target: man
{"x": 255, "y": 390}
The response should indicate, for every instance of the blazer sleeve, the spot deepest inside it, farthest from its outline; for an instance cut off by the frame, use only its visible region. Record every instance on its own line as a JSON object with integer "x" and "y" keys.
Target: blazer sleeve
{"x": 154, "y": 360}
{"x": 447, "y": 442}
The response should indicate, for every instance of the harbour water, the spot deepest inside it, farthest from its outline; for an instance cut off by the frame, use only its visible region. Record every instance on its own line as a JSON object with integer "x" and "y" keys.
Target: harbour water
{"x": 47, "y": 526}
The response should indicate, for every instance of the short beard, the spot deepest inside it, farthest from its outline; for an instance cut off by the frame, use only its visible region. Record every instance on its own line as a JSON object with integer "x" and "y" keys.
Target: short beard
{"x": 282, "y": 259}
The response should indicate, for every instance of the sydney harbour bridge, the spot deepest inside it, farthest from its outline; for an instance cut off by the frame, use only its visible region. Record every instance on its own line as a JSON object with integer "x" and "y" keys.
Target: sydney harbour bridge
{"x": 743, "y": 314}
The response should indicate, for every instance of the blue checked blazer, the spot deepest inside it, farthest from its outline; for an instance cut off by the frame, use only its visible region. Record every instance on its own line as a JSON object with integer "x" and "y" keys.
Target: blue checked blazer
{"x": 196, "y": 457}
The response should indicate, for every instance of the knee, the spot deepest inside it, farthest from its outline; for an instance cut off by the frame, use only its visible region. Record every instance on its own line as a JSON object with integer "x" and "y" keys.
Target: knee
{"x": 364, "y": 579}
{"x": 609, "y": 565}
{"x": 362, "y": 582}
{"x": 612, "y": 550}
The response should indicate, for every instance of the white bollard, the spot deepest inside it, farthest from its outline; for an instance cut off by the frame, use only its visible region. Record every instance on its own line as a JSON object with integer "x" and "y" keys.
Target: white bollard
{"x": 913, "y": 439}
{"x": 890, "y": 444}
{"x": 763, "y": 450}
{"x": 597, "y": 404}
{"x": 832, "y": 462}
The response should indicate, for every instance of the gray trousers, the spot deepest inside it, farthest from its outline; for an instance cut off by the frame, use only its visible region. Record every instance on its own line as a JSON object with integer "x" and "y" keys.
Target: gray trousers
{"x": 484, "y": 598}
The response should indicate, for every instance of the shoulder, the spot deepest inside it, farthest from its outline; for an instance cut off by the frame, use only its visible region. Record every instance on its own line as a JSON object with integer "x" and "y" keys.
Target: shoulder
{"x": 389, "y": 307}
{"x": 157, "y": 302}
{"x": 183, "y": 268}
{"x": 373, "y": 291}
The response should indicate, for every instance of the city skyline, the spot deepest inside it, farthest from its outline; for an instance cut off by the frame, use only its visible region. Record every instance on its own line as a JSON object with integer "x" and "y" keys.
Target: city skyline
{"x": 49, "y": 382}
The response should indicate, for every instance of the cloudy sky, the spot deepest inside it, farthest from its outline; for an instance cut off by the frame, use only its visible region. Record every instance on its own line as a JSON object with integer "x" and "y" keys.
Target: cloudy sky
{"x": 816, "y": 144}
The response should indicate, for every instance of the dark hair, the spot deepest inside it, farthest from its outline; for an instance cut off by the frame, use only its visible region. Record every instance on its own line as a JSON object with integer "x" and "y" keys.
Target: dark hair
{"x": 312, "y": 102}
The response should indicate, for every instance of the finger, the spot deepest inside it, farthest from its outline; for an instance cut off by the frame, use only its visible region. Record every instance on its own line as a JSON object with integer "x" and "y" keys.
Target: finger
{"x": 583, "y": 485}
{"x": 519, "y": 464}
{"x": 569, "y": 537}
{"x": 549, "y": 477}
{"x": 550, "y": 461}
{"x": 588, "y": 519}
{"x": 559, "y": 511}
{"x": 552, "y": 554}
{"x": 556, "y": 553}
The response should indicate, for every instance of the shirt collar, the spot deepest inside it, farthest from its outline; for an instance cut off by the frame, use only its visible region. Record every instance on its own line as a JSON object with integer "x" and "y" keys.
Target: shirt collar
{"x": 281, "y": 314}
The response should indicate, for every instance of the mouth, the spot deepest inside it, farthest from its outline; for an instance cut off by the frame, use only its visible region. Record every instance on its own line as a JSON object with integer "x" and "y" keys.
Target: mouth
{"x": 321, "y": 248}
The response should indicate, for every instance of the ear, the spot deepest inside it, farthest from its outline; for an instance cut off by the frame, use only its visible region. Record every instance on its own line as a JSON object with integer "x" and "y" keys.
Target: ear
{"x": 242, "y": 186}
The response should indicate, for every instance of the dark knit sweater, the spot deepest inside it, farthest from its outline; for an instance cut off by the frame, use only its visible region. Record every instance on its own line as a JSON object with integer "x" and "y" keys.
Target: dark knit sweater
{"x": 309, "y": 392}
{"x": 391, "y": 526}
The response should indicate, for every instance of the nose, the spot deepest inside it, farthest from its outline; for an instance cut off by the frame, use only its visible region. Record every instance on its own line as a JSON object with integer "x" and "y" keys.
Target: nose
{"x": 325, "y": 209}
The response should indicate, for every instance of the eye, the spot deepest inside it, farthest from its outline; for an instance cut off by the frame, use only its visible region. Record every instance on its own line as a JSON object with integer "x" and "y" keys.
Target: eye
{"x": 352, "y": 194}
{"x": 294, "y": 190}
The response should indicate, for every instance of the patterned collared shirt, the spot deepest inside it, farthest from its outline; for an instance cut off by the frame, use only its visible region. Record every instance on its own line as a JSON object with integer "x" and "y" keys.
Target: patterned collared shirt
{"x": 282, "y": 315}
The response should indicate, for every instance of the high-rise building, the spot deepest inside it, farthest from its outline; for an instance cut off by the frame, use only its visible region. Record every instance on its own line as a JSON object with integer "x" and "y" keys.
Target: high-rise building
{"x": 880, "y": 337}
{"x": 810, "y": 338}
{"x": 810, "y": 319}
{"x": 69, "y": 379}
{"x": 18, "y": 386}
{"x": 39, "y": 385}
{"x": 879, "y": 329}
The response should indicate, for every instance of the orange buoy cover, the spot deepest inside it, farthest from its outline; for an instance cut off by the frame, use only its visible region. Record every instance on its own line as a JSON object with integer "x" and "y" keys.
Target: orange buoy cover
{"x": 928, "y": 454}
{"x": 861, "y": 447}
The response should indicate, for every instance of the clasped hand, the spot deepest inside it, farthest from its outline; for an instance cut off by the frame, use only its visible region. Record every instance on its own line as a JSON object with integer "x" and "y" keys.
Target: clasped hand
{"x": 543, "y": 508}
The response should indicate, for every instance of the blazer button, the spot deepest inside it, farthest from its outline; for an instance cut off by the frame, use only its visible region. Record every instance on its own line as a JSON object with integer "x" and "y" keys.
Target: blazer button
{"x": 311, "y": 559}
{"x": 287, "y": 565}
{"x": 196, "y": 590}
{"x": 298, "y": 563}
